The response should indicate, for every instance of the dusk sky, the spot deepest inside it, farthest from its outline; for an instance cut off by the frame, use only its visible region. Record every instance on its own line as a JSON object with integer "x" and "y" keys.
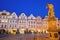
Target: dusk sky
{"x": 36, "y": 7}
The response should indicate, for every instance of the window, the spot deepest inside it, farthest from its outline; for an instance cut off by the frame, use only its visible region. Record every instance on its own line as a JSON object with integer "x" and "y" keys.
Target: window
{"x": 39, "y": 23}
{"x": 3, "y": 13}
{"x": 34, "y": 26}
{"x": 10, "y": 21}
{"x": 10, "y": 25}
{"x": 31, "y": 26}
{"x": 14, "y": 17}
{"x": 23, "y": 15}
{"x": 19, "y": 21}
{"x": 31, "y": 18}
{"x": 0, "y": 21}
{"x": 5, "y": 26}
{"x": 0, "y": 16}
{"x": 4, "y": 17}
{"x": 29, "y": 22}
{"x": 16, "y": 21}
{"x": 13, "y": 21}
{"x": 34, "y": 22}
{"x": 1, "y": 26}
{"x": 15, "y": 25}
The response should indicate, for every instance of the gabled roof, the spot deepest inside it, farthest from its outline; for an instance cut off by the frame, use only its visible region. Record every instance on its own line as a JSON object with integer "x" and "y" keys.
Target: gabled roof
{"x": 31, "y": 16}
{"x": 4, "y": 12}
{"x": 14, "y": 15}
{"x": 38, "y": 17}
{"x": 22, "y": 16}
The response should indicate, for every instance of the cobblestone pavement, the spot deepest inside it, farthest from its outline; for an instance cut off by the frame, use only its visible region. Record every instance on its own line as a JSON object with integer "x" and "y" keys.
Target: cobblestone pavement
{"x": 25, "y": 37}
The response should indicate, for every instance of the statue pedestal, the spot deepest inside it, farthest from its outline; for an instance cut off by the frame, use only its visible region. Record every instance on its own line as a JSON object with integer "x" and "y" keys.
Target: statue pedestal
{"x": 52, "y": 28}
{"x": 53, "y": 35}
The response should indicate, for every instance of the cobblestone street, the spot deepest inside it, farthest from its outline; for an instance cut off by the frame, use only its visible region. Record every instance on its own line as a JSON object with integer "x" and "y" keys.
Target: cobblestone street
{"x": 25, "y": 37}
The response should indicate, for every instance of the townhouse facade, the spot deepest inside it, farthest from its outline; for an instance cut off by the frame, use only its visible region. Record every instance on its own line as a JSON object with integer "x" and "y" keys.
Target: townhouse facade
{"x": 12, "y": 21}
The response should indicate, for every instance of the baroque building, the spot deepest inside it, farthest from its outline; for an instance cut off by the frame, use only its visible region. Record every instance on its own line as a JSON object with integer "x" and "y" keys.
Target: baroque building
{"x": 22, "y": 21}
{"x": 31, "y": 22}
{"x": 45, "y": 23}
{"x": 39, "y": 23}
{"x": 12, "y": 21}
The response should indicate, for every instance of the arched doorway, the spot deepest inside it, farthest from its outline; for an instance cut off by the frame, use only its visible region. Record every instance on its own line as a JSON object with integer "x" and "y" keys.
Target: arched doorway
{"x": 2, "y": 31}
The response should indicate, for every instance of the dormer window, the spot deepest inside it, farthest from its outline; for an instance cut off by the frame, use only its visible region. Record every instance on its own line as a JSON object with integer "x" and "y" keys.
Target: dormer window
{"x": 23, "y": 15}
{"x": 14, "y": 15}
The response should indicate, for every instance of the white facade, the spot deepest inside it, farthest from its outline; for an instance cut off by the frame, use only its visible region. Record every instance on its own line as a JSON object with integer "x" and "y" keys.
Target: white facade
{"x": 22, "y": 21}
{"x": 12, "y": 21}
{"x": 31, "y": 22}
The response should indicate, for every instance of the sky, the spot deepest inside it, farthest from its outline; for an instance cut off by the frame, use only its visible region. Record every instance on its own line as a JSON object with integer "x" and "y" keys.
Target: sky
{"x": 35, "y": 7}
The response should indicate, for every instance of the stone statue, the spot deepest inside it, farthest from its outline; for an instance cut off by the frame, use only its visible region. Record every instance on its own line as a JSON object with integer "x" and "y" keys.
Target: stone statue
{"x": 50, "y": 10}
{"x": 51, "y": 18}
{"x": 52, "y": 28}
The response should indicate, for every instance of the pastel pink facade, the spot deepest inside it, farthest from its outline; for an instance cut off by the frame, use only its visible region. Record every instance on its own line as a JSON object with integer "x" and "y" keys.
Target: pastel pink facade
{"x": 39, "y": 22}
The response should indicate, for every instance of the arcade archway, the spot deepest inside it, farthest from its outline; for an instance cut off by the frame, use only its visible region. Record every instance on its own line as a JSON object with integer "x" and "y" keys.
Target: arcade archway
{"x": 2, "y": 31}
